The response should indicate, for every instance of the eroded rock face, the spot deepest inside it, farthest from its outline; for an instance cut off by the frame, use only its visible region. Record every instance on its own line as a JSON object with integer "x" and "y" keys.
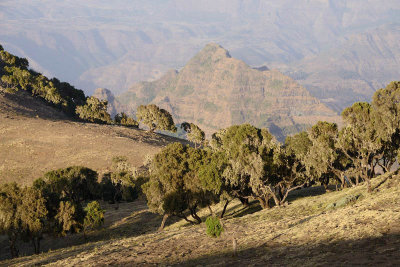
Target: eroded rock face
{"x": 215, "y": 91}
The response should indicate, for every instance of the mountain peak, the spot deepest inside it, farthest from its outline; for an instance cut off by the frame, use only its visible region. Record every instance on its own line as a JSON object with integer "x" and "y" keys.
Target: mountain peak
{"x": 209, "y": 55}
{"x": 215, "y": 48}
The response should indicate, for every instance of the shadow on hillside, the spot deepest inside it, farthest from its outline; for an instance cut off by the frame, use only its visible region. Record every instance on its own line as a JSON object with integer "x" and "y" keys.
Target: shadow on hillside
{"x": 155, "y": 139}
{"x": 308, "y": 192}
{"x": 137, "y": 222}
{"x": 23, "y": 104}
{"x": 234, "y": 212}
{"x": 380, "y": 251}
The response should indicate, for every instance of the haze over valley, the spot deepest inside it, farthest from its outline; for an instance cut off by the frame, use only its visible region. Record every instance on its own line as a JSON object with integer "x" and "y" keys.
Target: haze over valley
{"x": 341, "y": 51}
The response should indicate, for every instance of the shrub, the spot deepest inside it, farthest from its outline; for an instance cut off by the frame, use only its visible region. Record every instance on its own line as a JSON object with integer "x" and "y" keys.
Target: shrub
{"x": 94, "y": 216}
{"x": 123, "y": 119}
{"x": 94, "y": 110}
{"x": 214, "y": 226}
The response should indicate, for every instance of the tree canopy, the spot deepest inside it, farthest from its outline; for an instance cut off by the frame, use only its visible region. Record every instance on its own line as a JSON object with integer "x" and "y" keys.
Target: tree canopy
{"x": 194, "y": 133}
{"x": 155, "y": 118}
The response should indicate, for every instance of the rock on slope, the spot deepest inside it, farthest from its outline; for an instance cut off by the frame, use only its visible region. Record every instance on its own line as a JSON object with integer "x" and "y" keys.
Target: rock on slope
{"x": 35, "y": 138}
{"x": 215, "y": 90}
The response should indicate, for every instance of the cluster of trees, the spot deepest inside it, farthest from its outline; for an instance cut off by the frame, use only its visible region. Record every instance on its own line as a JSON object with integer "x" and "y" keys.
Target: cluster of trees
{"x": 62, "y": 202}
{"x": 15, "y": 74}
{"x": 245, "y": 162}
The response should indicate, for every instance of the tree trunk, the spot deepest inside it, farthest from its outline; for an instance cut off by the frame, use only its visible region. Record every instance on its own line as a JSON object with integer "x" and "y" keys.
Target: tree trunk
{"x": 211, "y": 211}
{"x": 276, "y": 200}
{"x": 165, "y": 217}
{"x": 369, "y": 186}
{"x": 195, "y": 216}
{"x": 36, "y": 240}
{"x": 263, "y": 202}
{"x": 224, "y": 209}
{"x": 34, "y": 245}
{"x": 13, "y": 249}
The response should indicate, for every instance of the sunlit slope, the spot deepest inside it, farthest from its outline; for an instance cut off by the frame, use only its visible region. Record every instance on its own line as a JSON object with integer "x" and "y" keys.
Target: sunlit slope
{"x": 35, "y": 138}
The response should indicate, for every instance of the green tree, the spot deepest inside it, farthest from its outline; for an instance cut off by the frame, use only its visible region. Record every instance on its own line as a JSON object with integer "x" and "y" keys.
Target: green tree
{"x": 250, "y": 154}
{"x": 360, "y": 141}
{"x": 94, "y": 110}
{"x": 210, "y": 173}
{"x": 123, "y": 119}
{"x": 16, "y": 78}
{"x": 155, "y": 118}
{"x": 194, "y": 133}
{"x": 324, "y": 158}
{"x": 123, "y": 179}
{"x": 386, "y": 112}
{"x": 33, "y": 213}
{"x": 94, "y": 217}
{"x": 10, "y": 219}
{"x": 74, "y": 183}
{"x": 290, "y": 169}
{"x": 174, "y": 187}
{"x": 70, "y": 217}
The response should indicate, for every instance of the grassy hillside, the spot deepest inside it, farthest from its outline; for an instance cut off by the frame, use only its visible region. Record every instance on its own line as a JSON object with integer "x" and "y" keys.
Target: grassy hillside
{"x": 348, "y": 227}
{"x": 36, "y": 138}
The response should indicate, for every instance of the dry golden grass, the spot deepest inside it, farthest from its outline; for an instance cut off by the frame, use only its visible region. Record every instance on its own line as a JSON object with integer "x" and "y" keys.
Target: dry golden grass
{"x": 35, "y": 138}
{"x": 309, "y": 232}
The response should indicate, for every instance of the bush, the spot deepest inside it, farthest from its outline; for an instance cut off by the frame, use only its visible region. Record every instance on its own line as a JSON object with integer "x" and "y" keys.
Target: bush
{"x": 155, "y": 118}
{"x": 94, "y": 216}
{"x": 94, "y": 110}
{"x": 214, "y": 226}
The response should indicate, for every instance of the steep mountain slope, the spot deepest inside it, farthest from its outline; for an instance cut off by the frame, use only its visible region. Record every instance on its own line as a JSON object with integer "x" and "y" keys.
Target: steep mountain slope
{"x": 215, "y": 90}
{"x": 35, "y": 138}
{"x": 343, "y": 228}
{"x": 354, "y": 70}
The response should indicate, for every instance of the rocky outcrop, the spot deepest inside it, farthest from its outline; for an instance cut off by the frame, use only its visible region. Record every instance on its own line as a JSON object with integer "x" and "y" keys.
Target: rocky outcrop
{"x": 215, "y": 91}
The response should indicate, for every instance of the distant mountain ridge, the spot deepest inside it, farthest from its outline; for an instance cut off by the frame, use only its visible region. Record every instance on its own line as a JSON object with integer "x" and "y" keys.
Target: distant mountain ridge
{"x": 215, "y": 91}
{"x": 355, "y": 70}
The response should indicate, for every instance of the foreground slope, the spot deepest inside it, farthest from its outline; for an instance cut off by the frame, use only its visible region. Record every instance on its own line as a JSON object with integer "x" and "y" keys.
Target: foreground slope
{"x": 215, "y": 91}
{"x": 348, "y": 227}
{"x": 35, "y": 138}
